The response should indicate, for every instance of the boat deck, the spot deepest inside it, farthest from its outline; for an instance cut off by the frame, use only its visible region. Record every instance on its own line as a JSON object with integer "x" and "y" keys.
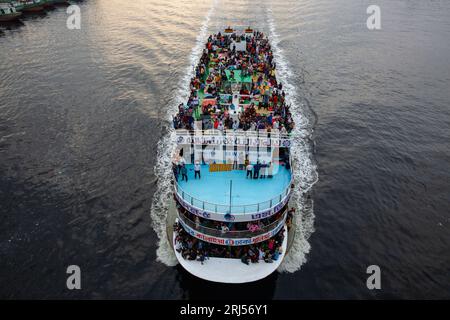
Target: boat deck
{"x": 214, "y": 187}
{"x": 225, "y": 270}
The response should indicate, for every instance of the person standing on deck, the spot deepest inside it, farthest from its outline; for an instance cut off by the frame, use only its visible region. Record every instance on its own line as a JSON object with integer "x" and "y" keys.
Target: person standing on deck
{"x": 270, "y": 170}
{"x": 182, "y": 161}
{"x": 256, "y": 169}
{"x": 197, "y": 168}
{"x": 197, "y": 222}
{"x": 184, "y": 173}
{"x": 249, "y": 171}
{"x": 264, "y": 170}
{"x": 235, "y": 160}
{"x": 241, "y": 161}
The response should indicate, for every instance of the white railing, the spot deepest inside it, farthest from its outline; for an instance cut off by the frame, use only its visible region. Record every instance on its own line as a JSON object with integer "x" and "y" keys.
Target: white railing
{"x": 222, "y": 209}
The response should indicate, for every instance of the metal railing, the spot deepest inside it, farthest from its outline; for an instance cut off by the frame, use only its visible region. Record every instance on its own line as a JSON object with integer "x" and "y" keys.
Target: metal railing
{"x": 232, "y": 209}
{"x": 236, "y": 133}
{"x": 235, "y": 234}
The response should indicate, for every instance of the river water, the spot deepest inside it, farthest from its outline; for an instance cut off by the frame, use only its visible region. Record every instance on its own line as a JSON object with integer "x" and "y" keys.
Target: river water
{"x": 84, "y": 141}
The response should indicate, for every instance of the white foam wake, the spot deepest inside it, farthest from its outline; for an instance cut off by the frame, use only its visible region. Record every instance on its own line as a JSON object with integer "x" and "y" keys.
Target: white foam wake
{"x": 163, "y": 167}
{"x": 305, "y": 173}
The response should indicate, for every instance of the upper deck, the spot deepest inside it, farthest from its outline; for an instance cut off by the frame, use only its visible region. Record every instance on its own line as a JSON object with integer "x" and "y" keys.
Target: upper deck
{"x": 218, "y": 193}
{"x": 235, "y": 87}
{"x": 236, "y": 106}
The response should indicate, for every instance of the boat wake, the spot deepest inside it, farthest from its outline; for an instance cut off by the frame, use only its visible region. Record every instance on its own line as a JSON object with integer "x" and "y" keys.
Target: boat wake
{"x": 163, "y": 167}
{"x": 304, "y": 168}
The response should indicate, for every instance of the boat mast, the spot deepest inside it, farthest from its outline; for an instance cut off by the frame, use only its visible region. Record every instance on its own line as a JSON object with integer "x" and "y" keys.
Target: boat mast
{"x": 231, "y": 188}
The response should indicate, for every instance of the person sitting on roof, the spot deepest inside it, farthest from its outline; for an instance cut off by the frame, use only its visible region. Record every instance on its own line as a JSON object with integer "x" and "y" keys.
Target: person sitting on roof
{"x": 175, "y": 171}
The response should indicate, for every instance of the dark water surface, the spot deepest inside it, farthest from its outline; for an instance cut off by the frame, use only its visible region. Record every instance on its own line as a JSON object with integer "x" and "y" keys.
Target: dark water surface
{"x": 81, "y": 112}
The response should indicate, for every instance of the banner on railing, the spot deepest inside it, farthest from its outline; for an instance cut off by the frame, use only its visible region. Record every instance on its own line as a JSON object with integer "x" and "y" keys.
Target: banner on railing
{"x": 225, "y": 216}
{"x": 229, "y": 241}
{"x": 230, "y": 140}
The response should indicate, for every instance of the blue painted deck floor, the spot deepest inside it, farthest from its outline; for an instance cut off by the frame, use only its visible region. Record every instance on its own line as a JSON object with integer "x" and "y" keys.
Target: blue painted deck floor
{"x": 214, "y": 187}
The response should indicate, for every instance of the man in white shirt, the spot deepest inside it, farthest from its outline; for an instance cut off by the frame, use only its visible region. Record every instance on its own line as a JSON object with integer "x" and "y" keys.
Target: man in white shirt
{"x": 249, "y": 171}
{"x": 197, "y": 170}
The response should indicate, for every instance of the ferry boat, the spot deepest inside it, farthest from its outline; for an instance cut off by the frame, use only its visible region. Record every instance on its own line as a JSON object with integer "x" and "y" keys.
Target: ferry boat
{"x": 61, "y": 2}
{"x": 230, "y": 217}
{"x": 16, "y": 4}
{"x": 49, "y": 4}
{"x": 32, "y": 5}
{"x": 53, "y": 3}
{"x": 8, "y": 12}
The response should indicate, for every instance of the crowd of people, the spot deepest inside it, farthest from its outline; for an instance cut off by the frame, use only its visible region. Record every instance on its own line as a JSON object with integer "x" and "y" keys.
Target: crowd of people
{"x": 192, "y": 248}
{"x": 259, "y": 170}
{"x": 261, "y": 99}
{"x": 234, "y": 87}
{"x": 179, "y": 169}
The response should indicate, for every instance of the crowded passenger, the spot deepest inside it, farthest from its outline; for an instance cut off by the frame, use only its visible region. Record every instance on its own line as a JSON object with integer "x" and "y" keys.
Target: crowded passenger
{"x": 192, "y": 248}
{"x": 262, "y": 100}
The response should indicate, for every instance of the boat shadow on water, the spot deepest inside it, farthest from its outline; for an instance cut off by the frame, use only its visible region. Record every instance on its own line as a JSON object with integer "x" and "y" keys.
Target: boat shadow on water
{"x": 19, "y": 23}
{"x": 10, "y": 25}
{"x": 33, "y": 15}
{"x": 198, "y": 289}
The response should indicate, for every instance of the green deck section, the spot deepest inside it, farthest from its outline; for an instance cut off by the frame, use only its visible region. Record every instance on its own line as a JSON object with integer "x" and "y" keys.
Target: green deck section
{"x": 238, "y": 77}
{"x": 198, "y": 110}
